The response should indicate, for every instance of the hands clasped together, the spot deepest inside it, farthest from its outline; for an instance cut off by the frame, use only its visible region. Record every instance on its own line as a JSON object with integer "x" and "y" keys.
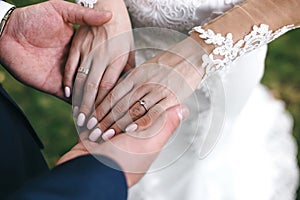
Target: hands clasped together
{"x": 100, "y": 51}
{"x": 87, "y": 63}
{"x": 140, "y": 98}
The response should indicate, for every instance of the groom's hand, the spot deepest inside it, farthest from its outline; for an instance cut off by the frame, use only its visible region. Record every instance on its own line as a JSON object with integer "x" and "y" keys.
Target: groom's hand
{"x": 35, "y": 43}
{"x": 135, "y": 152}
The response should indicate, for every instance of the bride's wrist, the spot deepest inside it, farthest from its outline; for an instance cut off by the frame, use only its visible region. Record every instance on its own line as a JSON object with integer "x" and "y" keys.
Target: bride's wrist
{"x": 120, "y": 21}
{"x": 185, "y": 59}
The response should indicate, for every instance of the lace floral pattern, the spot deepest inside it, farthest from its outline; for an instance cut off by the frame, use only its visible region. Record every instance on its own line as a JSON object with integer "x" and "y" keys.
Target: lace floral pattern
{"x": 226, "y": 51}
{"x": 177, "y": 15}
{"x": 87, "y": 3}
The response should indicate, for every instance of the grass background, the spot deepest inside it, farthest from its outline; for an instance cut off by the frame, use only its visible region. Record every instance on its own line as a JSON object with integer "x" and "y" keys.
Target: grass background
{"x": 53, "y": 122}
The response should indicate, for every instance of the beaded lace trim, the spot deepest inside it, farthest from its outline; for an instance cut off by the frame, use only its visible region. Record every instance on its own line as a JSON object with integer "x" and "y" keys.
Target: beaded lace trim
{"x": 87, "y": 3}
{"x": 226, "y": 51}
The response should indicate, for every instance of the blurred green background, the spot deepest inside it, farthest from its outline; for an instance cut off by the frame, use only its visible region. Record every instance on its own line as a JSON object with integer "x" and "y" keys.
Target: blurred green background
{"x": 53, "y": 122}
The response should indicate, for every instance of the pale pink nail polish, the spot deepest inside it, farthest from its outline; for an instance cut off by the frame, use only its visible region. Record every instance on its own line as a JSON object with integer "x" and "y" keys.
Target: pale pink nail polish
{"x": 95, "y": 134}
{"x": 81, "y": 119}
{"x": 108, "y": 134}
{"x": 67, "y": 92}
{"x": 92, "y": 123}
{"x": 131, "y": 128}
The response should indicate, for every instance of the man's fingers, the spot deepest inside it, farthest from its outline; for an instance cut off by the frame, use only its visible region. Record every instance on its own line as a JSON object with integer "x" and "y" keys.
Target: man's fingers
{"x": 76, "y": 14}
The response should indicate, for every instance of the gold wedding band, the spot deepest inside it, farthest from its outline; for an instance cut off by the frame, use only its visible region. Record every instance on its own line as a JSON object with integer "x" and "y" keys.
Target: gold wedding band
{"x": 83, "y": 70}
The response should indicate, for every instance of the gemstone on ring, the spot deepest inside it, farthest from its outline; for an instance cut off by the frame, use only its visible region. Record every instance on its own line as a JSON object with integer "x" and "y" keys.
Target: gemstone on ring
{"x": 143, "y": 103}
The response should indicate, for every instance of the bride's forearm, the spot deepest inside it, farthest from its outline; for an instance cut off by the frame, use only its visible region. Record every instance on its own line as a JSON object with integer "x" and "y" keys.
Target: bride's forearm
{"x": 240, "y": 20}
{"x": 244, "y": 28}
{"x": 120, "y": 21}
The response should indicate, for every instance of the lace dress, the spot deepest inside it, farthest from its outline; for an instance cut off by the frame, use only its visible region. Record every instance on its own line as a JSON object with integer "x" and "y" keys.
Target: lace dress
{"x": 253, "y": 156}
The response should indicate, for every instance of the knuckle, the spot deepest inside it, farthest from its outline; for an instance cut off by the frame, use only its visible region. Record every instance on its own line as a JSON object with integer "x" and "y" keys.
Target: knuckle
{"x": 67, "y": 70}
{"x": 112, "y": 96}
{"x": 105, "y": 124}
{"x": 85, "y": 106}
{"x": 141, "y": 89}
{"x": 155, "y": 112}
{"x": 69, "y": 64}
{"x": 90, "y": 87}
{"x": 136, "y": 111}
{"x": 107, "y": 84}
{"x": 120, "y": 108}
{"x": 99, "y": 112}
{"x": 166, "y": 91}
{"x": 145, "y": 121}
{"x": 80, "y": 77}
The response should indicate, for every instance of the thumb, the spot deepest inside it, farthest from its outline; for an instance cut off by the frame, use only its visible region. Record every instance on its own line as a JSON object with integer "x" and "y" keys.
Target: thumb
{"x": 76, "y": 14}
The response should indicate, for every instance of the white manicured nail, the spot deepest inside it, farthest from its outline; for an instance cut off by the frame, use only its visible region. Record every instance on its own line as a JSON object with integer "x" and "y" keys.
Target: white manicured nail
{"x": 81, "y": 119}
{"x": 131, "y": 128}
{"x": 108, "y": 134}
{"x": 92, "y": 123}
{"x": 75, "y": 111}
{"x": 67, "y": 92}
{"x": 95, "y": 134}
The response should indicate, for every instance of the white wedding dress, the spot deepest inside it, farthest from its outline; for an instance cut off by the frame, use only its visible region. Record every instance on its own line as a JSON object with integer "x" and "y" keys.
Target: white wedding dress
{"x": 252, "y": 156}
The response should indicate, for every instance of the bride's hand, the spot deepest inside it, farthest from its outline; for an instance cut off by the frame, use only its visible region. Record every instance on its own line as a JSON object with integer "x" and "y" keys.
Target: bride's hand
{"x": 160, "y": 83}
{"x": 99, "y": 63}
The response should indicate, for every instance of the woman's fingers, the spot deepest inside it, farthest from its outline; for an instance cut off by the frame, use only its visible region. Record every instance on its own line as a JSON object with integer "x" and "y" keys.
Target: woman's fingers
{"x": 89, "y": 92}
{"x": 70, "y": 70}
{"x": 116, "y": 111}
{"x": 128, "y": 122}
{"x": 111, "y": 99}
{"x": 110, "y": 77}
{"x": 140, "y": 120}
{"x": 79, "y": 87}
{"x": 134, "y": 121}
{"x": 152, "y": 115}
{"x": 138, "y": 110}
{"x": 128, "y": 102}
{"x": 143, "y": 112}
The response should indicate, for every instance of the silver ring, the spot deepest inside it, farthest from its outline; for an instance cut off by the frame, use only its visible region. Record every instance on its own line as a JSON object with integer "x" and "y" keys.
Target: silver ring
{"x": 143, "y": 103}
{"x": 83, "y": 70}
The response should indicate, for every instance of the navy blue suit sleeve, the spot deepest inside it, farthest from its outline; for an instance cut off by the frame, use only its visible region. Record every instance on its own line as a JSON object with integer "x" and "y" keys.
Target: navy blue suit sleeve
{"x": 82, "y": 178}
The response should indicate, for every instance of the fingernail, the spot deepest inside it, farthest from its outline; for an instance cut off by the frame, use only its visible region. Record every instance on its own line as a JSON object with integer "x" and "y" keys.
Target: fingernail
{"x": 95, "y": 134}
{"x": 108, "y": 134}
{"x": 182, "y": 113}
{"x": 75, "y": 111}
{"x": 80, "y": 119}
{"x": 67, "y": 92}
{"x": 92, "y": 123}
{"x": 131, "y": 128}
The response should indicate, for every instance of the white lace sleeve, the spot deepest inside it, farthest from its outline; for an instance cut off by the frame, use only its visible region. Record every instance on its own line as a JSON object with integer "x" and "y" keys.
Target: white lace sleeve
{"x": 86, "y": 3}
{"x": 226, "y": 51}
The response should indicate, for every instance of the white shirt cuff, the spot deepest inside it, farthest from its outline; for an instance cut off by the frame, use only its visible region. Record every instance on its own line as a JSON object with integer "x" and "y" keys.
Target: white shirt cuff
{"x": 4, "y": 8}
